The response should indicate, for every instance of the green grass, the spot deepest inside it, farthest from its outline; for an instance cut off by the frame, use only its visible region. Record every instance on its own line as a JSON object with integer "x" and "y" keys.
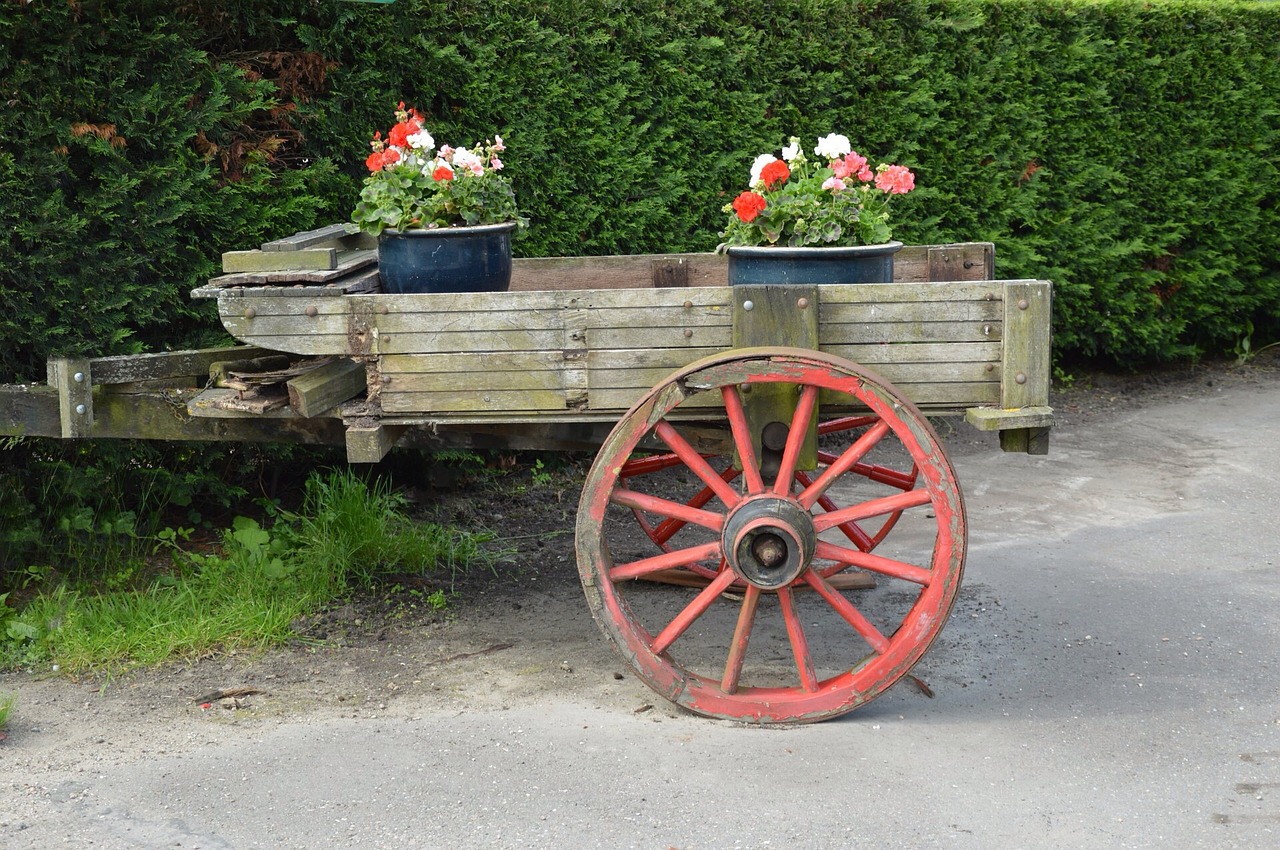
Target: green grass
{"x": 6, "y": 706}
{"x": 347, "y": 536}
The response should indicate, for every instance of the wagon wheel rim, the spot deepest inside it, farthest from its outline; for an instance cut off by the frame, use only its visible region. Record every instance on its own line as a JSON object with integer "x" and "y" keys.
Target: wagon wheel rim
{"x": 721, "y": 653}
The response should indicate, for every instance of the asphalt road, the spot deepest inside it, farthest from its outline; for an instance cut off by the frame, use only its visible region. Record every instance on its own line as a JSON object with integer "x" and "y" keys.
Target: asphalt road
{"x": 1109, "y": 679}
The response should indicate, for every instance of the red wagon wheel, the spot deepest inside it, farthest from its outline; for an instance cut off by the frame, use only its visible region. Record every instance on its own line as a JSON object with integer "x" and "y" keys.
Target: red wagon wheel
{"x": 769, "y": 639}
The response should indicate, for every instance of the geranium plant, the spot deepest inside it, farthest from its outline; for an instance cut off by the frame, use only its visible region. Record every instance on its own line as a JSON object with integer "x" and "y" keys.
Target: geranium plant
{"x": 412, "y": 183}
{"x": 835, "y": 199}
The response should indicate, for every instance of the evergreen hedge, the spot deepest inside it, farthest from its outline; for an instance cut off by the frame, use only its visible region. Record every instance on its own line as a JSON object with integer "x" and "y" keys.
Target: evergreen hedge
{"x": 1125, "y": 150}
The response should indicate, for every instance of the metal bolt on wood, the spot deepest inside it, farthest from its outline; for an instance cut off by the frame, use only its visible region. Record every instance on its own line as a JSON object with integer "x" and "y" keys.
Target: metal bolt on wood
{"x": 249, "y": 312}
{"x": 80, "y": 408}
{"x": 747, "y": 305}
{"x": 1020, "y": 378}
{"x": 803, "y": 303}
{"x": 1022, "y": 304}
{"x": 78, "y": 377}
{"x": 311, "y": 312}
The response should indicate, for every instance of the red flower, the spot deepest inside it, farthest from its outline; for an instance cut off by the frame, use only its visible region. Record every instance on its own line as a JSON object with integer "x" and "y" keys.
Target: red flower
{"x": 748, "y": 205}
{"x": 390, "y": 157}
{"x": 773, "y": 173}
{"x": 374, "y": 162}
{"x": 442, "y": 173}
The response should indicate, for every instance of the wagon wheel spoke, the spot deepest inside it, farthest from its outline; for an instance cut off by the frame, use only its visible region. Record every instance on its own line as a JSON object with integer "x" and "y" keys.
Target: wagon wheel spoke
{"x": 696, "y": 463}
{"x": 842, "y": 464}
{"x": 848, "y": 612}
{"x": 799, "y": 646}
{"x": 695, "y": 609}
{"x": 768, "y": 636}
{"x": 741, "y": 636}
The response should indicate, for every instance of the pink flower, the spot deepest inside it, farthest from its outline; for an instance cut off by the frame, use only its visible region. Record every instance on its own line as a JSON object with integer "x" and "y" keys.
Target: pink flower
{"x": 833, "y": 184}
{"x": 850, "y": 165}
{"x": 495, "y": 163}
{"x": 895, "y": 179}
{"x": 497, "y": 143}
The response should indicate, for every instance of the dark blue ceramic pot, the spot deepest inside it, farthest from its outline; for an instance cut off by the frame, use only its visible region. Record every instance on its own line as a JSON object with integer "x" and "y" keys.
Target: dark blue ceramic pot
{"x": 446, "y": 259}
{"x": 780, "y": 264}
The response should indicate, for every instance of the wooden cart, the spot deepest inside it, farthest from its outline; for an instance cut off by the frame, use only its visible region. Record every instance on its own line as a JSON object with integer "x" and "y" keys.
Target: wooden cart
{"x": 771, "y": 531}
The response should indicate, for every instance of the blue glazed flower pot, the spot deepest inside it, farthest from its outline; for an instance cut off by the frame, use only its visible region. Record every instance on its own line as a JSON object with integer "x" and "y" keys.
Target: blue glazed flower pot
{"x": 446, "y": 259}
{"x": 855, "y": 264}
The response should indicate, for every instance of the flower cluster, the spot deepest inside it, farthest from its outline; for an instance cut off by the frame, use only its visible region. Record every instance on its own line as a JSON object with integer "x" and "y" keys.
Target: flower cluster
{"x": 412, "y": 183}
{"x": 839, "y": 199}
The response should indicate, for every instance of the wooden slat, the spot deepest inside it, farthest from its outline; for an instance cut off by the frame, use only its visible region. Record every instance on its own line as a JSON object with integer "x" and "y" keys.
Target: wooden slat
{"x": 337, "y": 235}
{"x": 311, "y": 259}
{"x": 347, "y": 262}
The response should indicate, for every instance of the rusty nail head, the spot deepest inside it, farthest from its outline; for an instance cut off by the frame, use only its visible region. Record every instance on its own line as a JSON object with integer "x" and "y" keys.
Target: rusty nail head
{"x": 688, "y": 305}
{"x": 991, "y": 367}
{"x": 1022, "y": 304}
{"x": 311, "y": 312}
{"x": 249, "y": 312}
{"x": 1020, "y": 378}
{"x": 688, "y": 333}
{"x": 803, "y": 303}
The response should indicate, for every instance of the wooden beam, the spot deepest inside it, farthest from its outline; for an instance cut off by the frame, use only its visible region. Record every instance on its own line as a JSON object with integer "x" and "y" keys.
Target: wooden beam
{"x": 995, "y": 419}
{"x": 331, "y": 384}
{"x": 72, "y": 378}
{"x": 369, "y": 441}
{"x": 29, "y": 411}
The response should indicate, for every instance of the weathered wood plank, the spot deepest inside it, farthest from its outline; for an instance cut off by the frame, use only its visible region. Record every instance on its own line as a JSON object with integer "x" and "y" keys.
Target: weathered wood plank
{"x": 895, "y": 333}
{"x": 29, "y": 410}
{"x": 465, "y": 401}
{"x": 170, "y": 364}
{"x": 310, "y": 259}
{"x": 338, "y": 235}
{"x": 327, "y": 386}
{"x": 347, "y": 262}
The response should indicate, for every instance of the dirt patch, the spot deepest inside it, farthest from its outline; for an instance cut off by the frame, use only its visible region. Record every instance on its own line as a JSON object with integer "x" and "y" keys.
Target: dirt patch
{"x": 509, "y": 636}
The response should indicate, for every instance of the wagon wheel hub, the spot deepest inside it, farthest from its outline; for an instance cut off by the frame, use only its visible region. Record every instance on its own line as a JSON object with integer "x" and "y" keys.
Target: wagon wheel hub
{"x": 769, "y": 541}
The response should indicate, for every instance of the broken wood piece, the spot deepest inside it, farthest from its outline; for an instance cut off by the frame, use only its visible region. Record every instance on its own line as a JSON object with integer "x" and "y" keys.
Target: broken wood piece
{"x": 222, "y": 370}
{"x": 224, "y": 693}
{"x": 321, "y": 388}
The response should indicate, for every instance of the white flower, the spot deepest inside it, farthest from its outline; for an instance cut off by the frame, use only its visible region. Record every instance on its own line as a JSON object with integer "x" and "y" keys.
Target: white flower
{"x": 756, "y": 167}
{"x": 422, "y": 141}
{"x": 833, "y": 146}
{"x": 792, "y": 150}
{"x": 465, "y": 159}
